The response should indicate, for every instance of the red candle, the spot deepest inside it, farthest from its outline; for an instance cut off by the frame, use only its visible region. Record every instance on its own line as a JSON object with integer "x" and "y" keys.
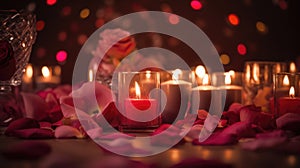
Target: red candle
{"x": 288, "y": 104}
{"x": 140, "y": 113}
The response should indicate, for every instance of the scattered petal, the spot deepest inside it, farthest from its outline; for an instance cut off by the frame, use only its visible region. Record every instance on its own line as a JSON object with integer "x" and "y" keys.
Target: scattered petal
{"x": 22, "y": 123}
{"x": 66, "y": 131}
{"x": 34, "y": 133}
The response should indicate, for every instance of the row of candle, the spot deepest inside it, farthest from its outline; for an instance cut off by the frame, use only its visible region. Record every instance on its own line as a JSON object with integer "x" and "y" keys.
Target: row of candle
{"x": 190, "y": 91}
{"x": 38, "y": 78}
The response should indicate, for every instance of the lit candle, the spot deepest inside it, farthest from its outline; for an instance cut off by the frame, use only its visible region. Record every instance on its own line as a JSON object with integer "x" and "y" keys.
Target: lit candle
{"x": 49, "y": 77}
{"x": 289, "y": 104}
{"x": 140, "y": 111}
{"x": 233, "y": 92}
{"x": 200, "y": 73}
{"x": 178, "y": 94}
{"x": 27, "y": 84}
{"x": 293, "y": 68}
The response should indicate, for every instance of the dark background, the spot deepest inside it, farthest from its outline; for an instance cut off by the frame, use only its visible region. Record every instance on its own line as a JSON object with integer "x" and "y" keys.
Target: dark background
{"x": 65, "y": 30}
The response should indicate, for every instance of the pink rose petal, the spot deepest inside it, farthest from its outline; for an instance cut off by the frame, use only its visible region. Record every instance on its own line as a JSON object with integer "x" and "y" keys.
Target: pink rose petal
{"x": 22, "y": 123}
{"x": 166, "y": 135}
{"x": 95, "y": 133}
{"x": 44, "y": 124}
{"x": 34, "y": 133}
{"x": 113, "y": 136}
{"x": 273, "y": 134}
{"x": 66, "y": 131}
{"x": 231, "y": 116}
{"x": 27, "y": 150}
{"x": 194, "y": 132}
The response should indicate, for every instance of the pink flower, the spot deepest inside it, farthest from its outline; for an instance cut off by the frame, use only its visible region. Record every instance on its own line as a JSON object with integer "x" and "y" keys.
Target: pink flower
{"x": 114, "y": 45}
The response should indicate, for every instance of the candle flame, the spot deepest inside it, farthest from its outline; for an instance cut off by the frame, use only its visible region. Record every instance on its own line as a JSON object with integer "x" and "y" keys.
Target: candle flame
{"x": 205, "y": 79}
{"x": 200, "y": 71}
{"x": 292, "y": 67}
{"x": 232, "y": 73}
{"x": 292, "y": 92}
{"x": 286, "y": 81}
{"x": 148, "y": 74}
{"x": 227, "y": 79}
{"x": 256, "y": 72}
{"x": 46, "y": 72}
{"x": 29, "y": 71}
{"x": 137, "y": 91}
{"x": 176, "y": 74}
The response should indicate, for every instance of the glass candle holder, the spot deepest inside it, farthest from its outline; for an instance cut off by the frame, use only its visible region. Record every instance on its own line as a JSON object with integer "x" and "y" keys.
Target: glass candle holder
{"x": 286, "y": 94}
{"x": 230, "y": 83}
{"x": 258, "y": 82}
{"x": 139, "y": 101}
{"x": 47, "y": 77}
{"x": 177, "y": 86}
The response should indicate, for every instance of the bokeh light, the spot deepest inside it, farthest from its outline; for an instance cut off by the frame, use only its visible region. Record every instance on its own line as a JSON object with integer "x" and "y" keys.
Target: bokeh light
{"x": 66, "y": 11}
{"x": 261, "y": 27}
{"x": 81, "y": 39}
{"x": 61, "y": 56}
{"x": 196, "y": 5}
{"x": 99, "y": 23}
{"x": 62, "y": 36}
{"x": 41, "y": 52}
{"x": 233, "y": 19}
{"x": 40, "y": 25}
{"x": 225, "y": 59}
{"x": 84, "y": 13}
{"x": 241, "y": 48}
{"x": 166, "y": 8}
{"x": 51, "y": 2}
{"x": 173, "y": 19}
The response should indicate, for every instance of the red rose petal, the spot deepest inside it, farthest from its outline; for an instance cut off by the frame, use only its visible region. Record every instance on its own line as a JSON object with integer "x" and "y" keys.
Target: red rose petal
{"x": 218, "y": 139}
{"x": 22, "y": 123}
{"x": 34, "y": 133}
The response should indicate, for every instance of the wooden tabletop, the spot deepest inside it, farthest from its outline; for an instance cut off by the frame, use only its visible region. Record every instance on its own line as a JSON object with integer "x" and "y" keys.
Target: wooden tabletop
{"x": 81, "y": 152}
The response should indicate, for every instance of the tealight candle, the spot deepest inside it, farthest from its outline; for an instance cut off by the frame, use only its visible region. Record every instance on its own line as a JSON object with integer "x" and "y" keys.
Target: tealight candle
{"x": 27, "y": 82}
{"x": 138, "y": 101}
{"x": 286, "y": 97}
{"x": 225, "y": 82}
{"x": 177, "y": 98}
{"x": 48, "y": 77}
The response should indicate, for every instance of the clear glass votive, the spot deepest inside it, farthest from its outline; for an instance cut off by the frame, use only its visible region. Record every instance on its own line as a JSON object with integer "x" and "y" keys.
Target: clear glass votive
{"x": 47, "y": 77}
{"x": 139, "y": 101}
{"x": 177, "y": 86}
{"x": 286, "y": 94}
{"x": 258, "y": 82}
{"x": 231, "y": 83}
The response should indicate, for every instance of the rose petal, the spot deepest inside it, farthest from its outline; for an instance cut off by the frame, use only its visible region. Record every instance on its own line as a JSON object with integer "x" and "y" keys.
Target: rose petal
{"x": 22, "y": 123}
{"x": 240, "y": 130}
{"x": 264, "y": 143}
{"x": 231, "y": 116}
{"x": 166, "y": 135}
{"x": 66, "y": 131}
{"x": 35, "y": 106}
{"x": 273, "y": 134}
{"x": 194, "y": 132}
{"x": 249, "y": 113}
{"x": 34, "y": 133}
{"x": 95, "y": 133}
{"x": 27, "y": 150}
{"x": 113, "y": 136}
{"x": 289, "y": 121}
{"x": 218, "y": 139}
{"x": 235, "y": 107}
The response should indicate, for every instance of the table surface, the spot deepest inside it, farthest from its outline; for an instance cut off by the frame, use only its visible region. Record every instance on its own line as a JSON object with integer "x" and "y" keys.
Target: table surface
{"x": 83, "y": 151}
